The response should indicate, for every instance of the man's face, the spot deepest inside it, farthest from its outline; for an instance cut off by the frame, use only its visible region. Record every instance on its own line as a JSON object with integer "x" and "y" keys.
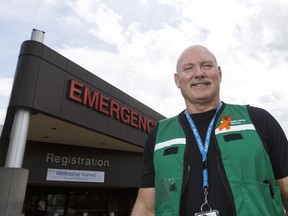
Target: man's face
{"x": 198, "y": 76}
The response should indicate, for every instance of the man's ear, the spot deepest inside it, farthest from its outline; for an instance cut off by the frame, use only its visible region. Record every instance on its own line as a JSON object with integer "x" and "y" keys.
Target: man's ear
{"x": 176, "y": 80}
{"x": 220, "y": 74}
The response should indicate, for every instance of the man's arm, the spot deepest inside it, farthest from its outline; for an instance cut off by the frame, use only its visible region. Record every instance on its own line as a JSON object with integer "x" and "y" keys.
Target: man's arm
{"x": 145, "y": 202}
{"x": 283, "y": 184}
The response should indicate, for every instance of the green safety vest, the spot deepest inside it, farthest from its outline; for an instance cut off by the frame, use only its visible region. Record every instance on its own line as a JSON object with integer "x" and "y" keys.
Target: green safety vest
{"x": 244, "y": 158}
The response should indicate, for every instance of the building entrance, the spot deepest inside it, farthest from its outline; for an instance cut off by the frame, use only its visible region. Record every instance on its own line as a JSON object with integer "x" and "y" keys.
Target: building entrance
{"x": 78, "y": 201}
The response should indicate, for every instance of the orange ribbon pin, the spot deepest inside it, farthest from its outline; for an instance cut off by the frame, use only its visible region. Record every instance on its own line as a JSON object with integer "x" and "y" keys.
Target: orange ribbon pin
{"x": 225, "y": 122}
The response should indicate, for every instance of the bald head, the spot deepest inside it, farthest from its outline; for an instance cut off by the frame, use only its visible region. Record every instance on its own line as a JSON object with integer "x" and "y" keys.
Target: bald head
{"x": 195, "y": 49}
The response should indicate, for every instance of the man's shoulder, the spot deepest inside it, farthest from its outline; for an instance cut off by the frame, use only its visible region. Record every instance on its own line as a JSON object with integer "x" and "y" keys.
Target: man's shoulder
{"x": 254, "y": 109}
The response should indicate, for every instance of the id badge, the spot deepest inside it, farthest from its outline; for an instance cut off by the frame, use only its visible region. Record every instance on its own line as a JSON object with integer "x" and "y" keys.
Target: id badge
{"x": 208, "y": 213}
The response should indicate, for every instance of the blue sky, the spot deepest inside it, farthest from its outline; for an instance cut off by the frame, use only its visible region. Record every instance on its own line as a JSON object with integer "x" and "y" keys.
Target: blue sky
{"x": 134, "y": 45}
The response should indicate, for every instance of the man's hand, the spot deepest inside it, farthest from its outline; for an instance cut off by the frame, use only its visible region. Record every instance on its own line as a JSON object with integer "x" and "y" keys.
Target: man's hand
{"x": 145, "y": 202}
{"x": 283, "y": 185}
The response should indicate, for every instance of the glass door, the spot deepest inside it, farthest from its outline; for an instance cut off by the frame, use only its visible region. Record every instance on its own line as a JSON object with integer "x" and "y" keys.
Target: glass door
{"x": 84, "y": 204}
{"x": 55, "y": 204}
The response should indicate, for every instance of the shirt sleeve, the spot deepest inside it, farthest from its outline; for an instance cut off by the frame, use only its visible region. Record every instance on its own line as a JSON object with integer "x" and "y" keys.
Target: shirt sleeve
{"x": 148, "y": 171}
{"x": 274, "y": 138}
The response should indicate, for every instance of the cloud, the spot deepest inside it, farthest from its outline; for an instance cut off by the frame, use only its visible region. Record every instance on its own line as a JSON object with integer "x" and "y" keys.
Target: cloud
{"x": 5, "y": 91}
{"x": 5, "y": 86}
{"x": 103, "y": 21}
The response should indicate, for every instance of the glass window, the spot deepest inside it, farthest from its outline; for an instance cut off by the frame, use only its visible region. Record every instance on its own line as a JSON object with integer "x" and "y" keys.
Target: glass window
{"x": 55, "y": 204}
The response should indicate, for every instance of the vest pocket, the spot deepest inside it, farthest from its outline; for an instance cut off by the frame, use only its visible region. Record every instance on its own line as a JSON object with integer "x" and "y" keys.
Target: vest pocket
{"x": 167, "y": 196}
{"x": 233, "y": 137}
{"x": 254, "y": 198}
{"x": 171, "y": 150}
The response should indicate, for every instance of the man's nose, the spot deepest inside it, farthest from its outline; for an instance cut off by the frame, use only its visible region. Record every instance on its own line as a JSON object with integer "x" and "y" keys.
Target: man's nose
{"x": 198, "y": 71}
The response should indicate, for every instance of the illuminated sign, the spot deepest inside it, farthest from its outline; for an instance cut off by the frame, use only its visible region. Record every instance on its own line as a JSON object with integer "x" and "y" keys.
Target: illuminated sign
{"x": 75, "y": 175}
{"x": 82, "y": 94}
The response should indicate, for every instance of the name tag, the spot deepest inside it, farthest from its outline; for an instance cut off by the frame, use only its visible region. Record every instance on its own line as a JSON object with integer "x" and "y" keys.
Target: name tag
{"x": 208, "y": 213}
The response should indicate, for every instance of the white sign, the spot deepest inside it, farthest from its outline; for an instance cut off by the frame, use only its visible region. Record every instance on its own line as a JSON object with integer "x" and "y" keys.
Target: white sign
{"x": 75, "y": 175}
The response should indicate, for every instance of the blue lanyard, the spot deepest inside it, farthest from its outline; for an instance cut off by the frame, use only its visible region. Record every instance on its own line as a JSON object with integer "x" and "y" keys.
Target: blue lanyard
{"x": 203, "y": 148}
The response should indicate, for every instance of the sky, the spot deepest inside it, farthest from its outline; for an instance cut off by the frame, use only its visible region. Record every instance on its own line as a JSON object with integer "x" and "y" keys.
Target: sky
{"x": 134, "y": 45}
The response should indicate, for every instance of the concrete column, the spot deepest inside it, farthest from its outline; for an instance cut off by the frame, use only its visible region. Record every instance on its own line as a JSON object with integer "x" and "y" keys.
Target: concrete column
{"x": 12, "y": 190}
{"x": 18, "y": 139}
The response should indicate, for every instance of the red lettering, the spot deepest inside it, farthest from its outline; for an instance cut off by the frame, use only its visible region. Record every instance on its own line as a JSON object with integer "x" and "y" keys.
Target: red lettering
{"x": 75, "y": 91}
{"x": 142, "y": 123}
{"x": 125, "y": 117}
{"x": 104, "y": 104}
{"x": 114, "y": 109}
{"x": 83, "y": 94}
{"x": 150, "y": 125}
{"x": 94, "y": 101}
{"x": 134, "y": 118}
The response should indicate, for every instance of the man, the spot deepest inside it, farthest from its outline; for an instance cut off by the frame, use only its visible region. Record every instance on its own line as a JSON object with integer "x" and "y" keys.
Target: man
{"x": 213, "y": 158}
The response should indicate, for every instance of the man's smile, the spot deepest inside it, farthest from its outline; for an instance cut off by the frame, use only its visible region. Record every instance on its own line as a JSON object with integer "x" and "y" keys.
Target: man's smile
{"x": 200, "y": 82}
